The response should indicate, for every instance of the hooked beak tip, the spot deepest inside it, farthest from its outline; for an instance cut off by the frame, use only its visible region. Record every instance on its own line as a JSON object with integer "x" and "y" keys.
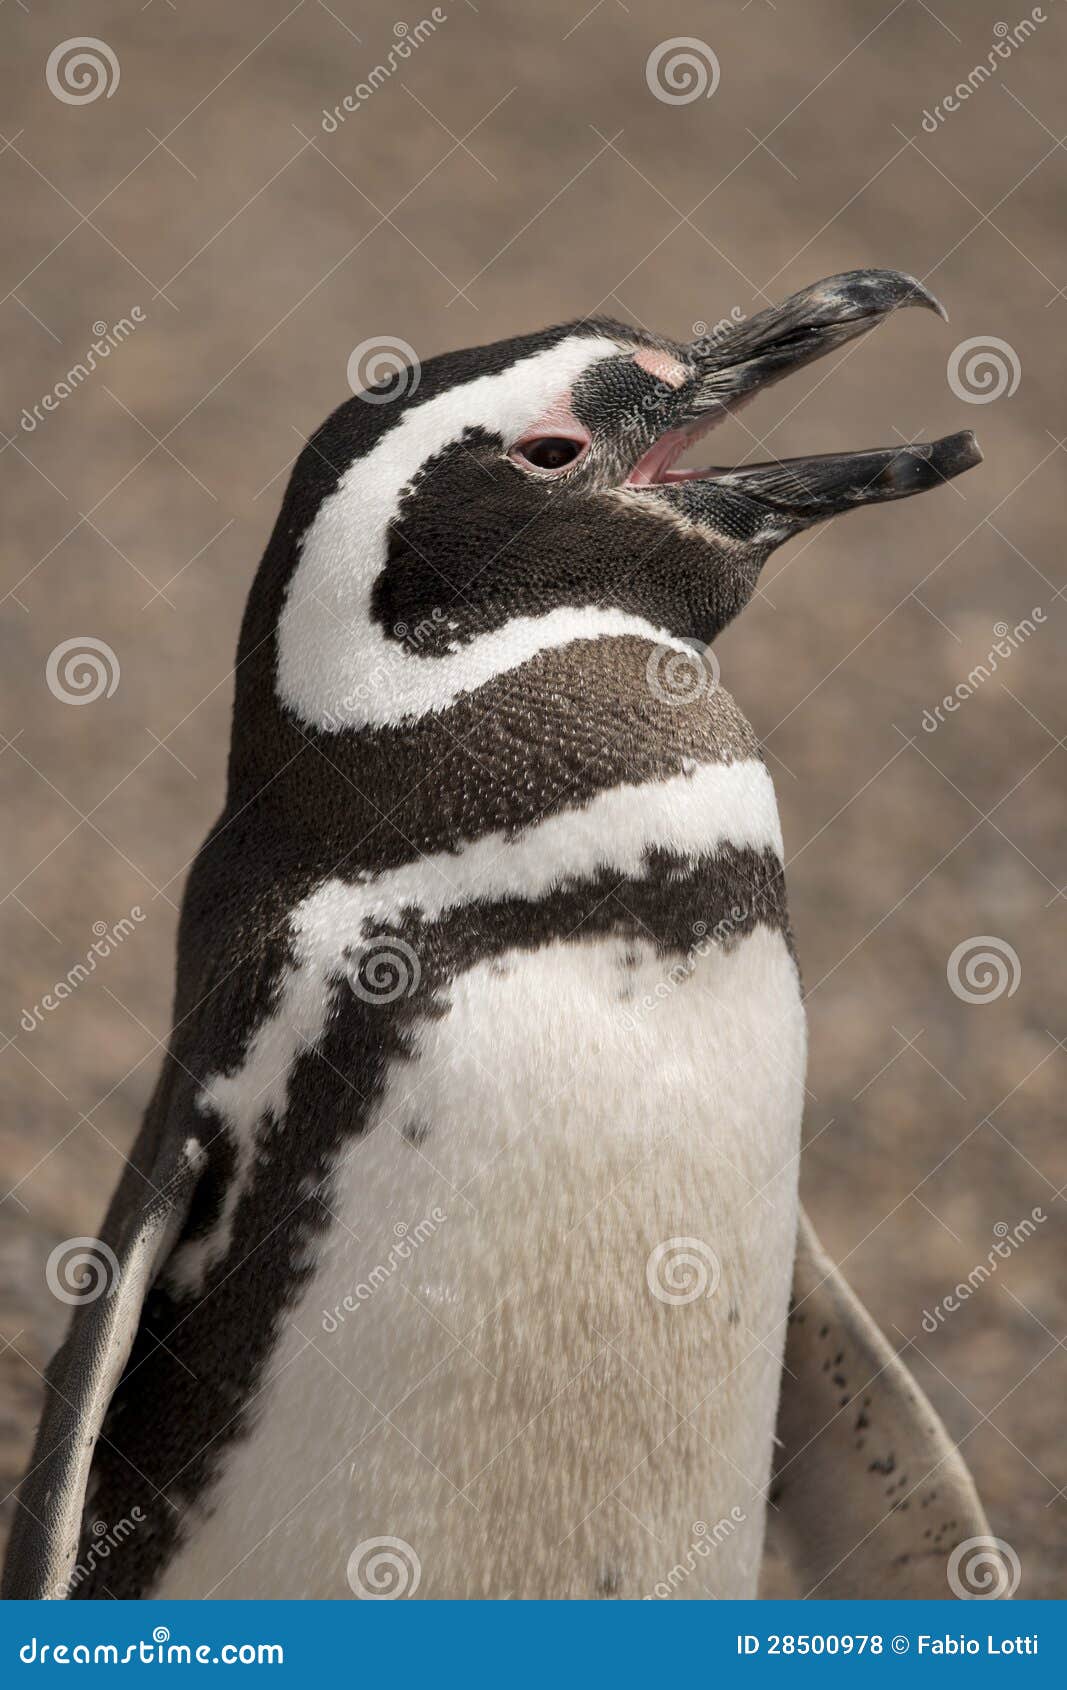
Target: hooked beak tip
{"x": 867, "y": 295}
{"x": 919, "y": 294}
{"x": 931, "y": 300}
{"x": 760, "y": 350}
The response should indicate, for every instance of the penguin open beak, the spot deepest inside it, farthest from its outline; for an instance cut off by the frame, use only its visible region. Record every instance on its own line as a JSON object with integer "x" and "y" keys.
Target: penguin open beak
{"x": 729, "y": 367}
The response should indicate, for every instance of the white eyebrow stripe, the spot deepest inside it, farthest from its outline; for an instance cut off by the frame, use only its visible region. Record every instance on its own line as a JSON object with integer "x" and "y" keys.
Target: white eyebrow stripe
{"x": 336, "y": 667}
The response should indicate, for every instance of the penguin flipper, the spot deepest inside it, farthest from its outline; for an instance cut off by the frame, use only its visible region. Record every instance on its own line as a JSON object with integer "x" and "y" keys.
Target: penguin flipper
{"x": 871, "y": 1495}
{"x": 81, "y": 1378}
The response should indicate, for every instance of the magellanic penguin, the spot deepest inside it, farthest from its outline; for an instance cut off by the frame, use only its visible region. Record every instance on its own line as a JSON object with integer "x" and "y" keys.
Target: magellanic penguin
{"x": 454, "y": 1256}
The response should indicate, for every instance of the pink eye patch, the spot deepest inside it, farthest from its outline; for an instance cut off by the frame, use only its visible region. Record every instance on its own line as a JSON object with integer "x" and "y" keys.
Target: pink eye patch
{"x": 661, "y": 365}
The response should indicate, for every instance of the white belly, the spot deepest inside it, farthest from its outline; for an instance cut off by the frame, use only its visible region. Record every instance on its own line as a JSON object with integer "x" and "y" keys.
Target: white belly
{"x": 505, "y": 1359}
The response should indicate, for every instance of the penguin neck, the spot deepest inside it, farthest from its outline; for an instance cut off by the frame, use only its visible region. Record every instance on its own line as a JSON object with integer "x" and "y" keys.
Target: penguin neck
{"x": 544, "y": 737}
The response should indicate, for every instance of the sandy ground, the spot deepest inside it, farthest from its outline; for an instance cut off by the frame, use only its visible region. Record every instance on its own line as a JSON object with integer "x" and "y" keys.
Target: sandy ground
{"x": 517, "y": 170}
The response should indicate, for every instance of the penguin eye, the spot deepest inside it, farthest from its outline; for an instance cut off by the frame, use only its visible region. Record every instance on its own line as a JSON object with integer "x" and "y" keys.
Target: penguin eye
{"x": 550, "y": 452}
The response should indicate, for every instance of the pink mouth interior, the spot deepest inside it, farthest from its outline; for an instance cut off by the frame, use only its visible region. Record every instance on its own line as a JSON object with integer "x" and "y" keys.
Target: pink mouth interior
{"x": 655, "y": 468}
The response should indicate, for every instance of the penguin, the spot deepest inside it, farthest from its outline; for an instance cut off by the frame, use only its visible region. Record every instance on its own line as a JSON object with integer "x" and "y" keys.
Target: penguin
{"x": 454, "y": 1257}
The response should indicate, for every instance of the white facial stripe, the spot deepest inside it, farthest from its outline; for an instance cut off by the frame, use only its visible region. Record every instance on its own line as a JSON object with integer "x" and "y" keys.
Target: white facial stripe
{"x": 691, "y": 815}
{"x": 335, "y": 666}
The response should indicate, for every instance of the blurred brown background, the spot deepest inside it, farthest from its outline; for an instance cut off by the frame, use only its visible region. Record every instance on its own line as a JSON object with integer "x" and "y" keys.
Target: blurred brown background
{"x": 517, "y": 170}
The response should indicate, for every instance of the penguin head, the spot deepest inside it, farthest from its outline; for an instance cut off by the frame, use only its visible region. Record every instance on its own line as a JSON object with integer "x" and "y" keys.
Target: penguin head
{"x": 452, "y": 521}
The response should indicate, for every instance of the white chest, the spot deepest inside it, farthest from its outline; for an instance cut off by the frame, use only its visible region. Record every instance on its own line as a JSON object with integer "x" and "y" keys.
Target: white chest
{"x": 541, "y": 1345}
